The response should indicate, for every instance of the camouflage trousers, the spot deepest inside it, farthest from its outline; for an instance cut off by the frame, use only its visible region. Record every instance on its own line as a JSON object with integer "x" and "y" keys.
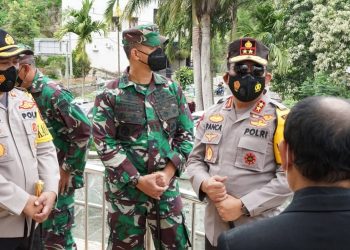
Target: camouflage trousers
{"x": 57, "y": 229}
{"x": 127, "y": 222}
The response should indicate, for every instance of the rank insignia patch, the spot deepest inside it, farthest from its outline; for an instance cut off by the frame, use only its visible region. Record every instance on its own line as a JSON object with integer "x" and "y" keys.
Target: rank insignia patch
{"x": 259, "y": 106}
{"x": 216, "y": 118}
{"x": 250, "y": 159}
{"x": 248, "y": 48}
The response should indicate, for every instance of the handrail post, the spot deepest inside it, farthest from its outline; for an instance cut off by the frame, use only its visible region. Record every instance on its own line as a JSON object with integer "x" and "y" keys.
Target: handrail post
{"x": 103, "y": 214}
{"x": 193, "y": 229}
{"x": 86, "y": 210}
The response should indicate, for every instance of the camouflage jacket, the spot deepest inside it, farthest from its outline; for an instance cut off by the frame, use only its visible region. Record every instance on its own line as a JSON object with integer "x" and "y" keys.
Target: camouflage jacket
{"x": 138, "y": 129}
{"x": 68, "y": 125}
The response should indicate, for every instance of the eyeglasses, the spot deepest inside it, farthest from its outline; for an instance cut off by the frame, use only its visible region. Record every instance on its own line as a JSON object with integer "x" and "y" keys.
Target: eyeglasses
{"x": 243, "y": 69}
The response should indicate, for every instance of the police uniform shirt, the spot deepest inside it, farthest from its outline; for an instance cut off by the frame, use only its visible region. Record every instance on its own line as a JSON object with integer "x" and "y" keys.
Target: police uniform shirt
{"x": 239, "y": 146}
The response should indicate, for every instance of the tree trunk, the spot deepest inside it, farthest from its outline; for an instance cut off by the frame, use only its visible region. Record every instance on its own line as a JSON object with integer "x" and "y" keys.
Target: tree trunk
{"x": 233, "y": 19}
{"x": 205, "y": 62}
{"x": 196, "y": 43}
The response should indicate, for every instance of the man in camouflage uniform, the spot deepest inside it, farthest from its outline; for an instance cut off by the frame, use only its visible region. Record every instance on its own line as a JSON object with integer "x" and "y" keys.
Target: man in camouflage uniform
{"x": 71, "y": 130}
{"x": 143, "y": 129}
{"x": 233, "y": 164}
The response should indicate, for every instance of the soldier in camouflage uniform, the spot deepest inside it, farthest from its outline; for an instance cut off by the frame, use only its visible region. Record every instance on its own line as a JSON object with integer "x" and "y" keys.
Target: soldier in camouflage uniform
{"x": 71, "y": 131}
{"x": 143, "y": 132}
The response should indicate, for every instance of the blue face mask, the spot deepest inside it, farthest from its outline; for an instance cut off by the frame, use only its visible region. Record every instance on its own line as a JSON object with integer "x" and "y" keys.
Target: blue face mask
{"x": 8, "y": 79}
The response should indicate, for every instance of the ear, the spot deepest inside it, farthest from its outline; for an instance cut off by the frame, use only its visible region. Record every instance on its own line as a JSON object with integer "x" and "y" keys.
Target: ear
{"x": 134, "y": 54}
{"x": 225, "y": 77}
{"x": 287, "y": 156}
{"x": 268, "y": 78}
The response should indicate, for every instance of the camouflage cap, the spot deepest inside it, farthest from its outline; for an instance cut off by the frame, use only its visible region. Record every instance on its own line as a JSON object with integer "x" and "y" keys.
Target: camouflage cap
{"x": 9, "y": 48}
{"x": 147, "y": 34}
{"x": 248, "y": 49}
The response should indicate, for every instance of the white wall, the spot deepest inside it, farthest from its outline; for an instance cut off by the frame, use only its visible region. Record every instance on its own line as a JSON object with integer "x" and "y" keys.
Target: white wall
{"x": 103, "y": 51}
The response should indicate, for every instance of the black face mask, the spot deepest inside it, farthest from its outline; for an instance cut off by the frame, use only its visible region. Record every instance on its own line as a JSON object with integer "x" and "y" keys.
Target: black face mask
{"x": 246, "y": 88}
{"x": 157, "y": 60}
{"x": 9, "y": 78}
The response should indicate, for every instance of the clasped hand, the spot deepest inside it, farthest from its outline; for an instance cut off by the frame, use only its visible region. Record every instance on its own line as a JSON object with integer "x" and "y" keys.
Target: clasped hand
{"x": 154, "y": 185}
{"x": 39, "y": 208}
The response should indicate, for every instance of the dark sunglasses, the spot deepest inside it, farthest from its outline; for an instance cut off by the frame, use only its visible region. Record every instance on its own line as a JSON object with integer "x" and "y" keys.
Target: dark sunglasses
{"x": 243, "y": 69}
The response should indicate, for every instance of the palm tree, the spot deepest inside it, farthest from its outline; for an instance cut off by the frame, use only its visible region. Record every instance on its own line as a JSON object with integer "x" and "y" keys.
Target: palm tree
{"x": 171, "y": 14}
{"x": 81, "y": 24}
{"x": 264, "y": 23}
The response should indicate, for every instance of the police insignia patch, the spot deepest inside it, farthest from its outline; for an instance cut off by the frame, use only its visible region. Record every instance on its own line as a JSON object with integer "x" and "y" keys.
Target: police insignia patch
{"x": 258, "y": 123}
{"x": 250, "y": 158}
{"x": 216, "y": 118}
{"x": 268, "y": 117}
{"x": 2, "y": 150}
{"x": 27, "y": 105}
{"x": 9, "y": 40}
{"x": 210, "y": 136}
{"x": 236, "y": 85}
{"x": 34, "y": 127}
{"x": 257, "y": 87}
{"x": 209, "y": 153}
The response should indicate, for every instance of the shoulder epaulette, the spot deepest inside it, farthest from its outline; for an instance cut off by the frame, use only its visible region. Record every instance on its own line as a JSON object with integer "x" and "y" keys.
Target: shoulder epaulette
{"x": 278, "y": 104}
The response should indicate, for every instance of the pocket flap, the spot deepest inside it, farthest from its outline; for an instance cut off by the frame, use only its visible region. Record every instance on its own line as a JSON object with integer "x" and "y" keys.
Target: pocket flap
{"x": 252, "y": 143}
{"x": 4, "y": 132}
{"x": 31, "y": 127}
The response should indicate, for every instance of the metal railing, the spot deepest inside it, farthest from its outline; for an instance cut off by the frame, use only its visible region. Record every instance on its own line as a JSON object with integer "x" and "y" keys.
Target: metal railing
{"x": 90, "y": 169}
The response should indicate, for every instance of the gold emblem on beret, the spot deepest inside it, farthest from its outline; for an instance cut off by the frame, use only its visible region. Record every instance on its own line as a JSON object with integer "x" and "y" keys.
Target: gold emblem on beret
{"x": 9, "y": 40}
{"x": 248, "y": 44}
{"x": 216, "y": 118}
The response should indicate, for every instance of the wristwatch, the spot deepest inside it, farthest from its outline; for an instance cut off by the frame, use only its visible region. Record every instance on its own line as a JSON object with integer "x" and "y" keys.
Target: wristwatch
{"x": 245, "y": 211}
{"x": 135, "y": 179}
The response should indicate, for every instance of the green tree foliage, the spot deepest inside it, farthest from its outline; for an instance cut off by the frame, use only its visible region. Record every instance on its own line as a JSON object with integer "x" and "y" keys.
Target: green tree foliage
{"x": 81, "y": 65}
{"x": 27, "y": 19}
{"x": 316, "y": 34}
{"x": 184, "y": 76}
{"x": 331, "y": 41}
{"x": 22, "y": 21}
{"x": 81, "y": 24}
{"x": 322, "y": 84}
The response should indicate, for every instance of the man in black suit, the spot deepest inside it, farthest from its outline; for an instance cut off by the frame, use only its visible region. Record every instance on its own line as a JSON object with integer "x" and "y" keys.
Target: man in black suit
{"x": 316, "y": 157}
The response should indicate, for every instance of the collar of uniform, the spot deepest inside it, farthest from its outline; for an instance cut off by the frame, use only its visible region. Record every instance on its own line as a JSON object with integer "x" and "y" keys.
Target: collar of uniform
{"x": 124, "y": 79}
{"x": 38, "y": 82}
